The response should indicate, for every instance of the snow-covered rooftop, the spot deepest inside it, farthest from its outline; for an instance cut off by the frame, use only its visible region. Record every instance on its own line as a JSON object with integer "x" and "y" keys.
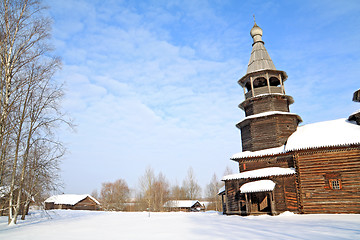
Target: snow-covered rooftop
{"x": 263, "y": 172}
{"x": 69, "y": 199}
{"x": 322, "y": 134}
{"x": 264, "y": 114}
{"x": 356, "y": 112}
{"x": 221, "y": 190}
{"x": 265, "y": 152}
{"x": 257, "y": 186}
{"x": 181, "y": 203}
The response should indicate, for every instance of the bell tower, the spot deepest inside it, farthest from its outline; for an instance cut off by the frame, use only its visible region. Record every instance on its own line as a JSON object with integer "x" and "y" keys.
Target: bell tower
{"x": 268, "y": 121}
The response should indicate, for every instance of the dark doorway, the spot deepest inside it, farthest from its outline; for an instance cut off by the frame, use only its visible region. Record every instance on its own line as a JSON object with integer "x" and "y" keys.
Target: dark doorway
{"x": 260, "y": 202}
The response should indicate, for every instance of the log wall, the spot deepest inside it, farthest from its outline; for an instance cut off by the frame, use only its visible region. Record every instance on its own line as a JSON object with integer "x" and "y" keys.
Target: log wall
{"x": 285, "y": 194}
{"x": 257, "y": 163}
{"x": 232, "y": 197}
{"x": 266, "y": 103}
{"x": 86, "y": 204}
{"x": 267, "y": 132}
{"x": 317, "y": 169}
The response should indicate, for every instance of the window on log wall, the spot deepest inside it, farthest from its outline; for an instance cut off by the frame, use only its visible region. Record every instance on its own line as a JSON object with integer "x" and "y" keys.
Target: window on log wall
{"x": 333, "y": 181}
{"x": 335, "y": 184}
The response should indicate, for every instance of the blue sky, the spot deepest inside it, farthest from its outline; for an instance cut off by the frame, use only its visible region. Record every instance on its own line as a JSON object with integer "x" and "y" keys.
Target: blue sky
{"x": 154, "y": 83}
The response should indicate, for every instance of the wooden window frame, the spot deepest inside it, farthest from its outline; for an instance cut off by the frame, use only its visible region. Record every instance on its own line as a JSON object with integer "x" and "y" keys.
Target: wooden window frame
{"x": 336, "y": 186}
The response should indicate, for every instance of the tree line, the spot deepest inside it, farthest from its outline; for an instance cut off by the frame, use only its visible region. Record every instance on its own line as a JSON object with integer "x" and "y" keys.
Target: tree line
{"x": 154, "y": 191}
{"x": 29, "y": 107}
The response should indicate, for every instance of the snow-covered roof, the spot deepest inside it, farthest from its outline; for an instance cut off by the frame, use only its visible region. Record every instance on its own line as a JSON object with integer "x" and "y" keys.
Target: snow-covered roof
{"x": 69, "y": 199}
{"x": 356, "y": 112}
{"x": 269, "y": 113}
{"x": 181, "y": 203}
{"x": 324, "y": 134}
{"x": 258, "y": 186}
{"x": 265, "y": 152}
{"x": 263, "y": 172}
{"x": 337, "y": 132}
{"x": 4, "y": 190}
{"x": 221, "y": 190}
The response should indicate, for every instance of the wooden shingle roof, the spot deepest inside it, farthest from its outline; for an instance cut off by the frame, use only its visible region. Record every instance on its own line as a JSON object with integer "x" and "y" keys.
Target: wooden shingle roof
{"x": 259, "y": 58}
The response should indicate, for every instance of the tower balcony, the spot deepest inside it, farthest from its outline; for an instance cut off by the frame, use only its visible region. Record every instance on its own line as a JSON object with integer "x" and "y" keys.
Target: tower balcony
{"x": 263, "y": 82}
{"x": 263, "y": 90}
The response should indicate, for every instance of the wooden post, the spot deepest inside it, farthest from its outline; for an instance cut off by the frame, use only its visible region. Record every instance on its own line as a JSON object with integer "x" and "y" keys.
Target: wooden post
{"x": 222, "y": 203}
{"x": 281, "y": 84}
{"x": 272, "y": 207}
{"x": 284, "y": 192}
{"x": 247, "y": 204}
{"x": 252, "y": 86}
{"x": 244, "y": 92}
{"x": 226, "y": 200}
{"x": 268, "y": 81}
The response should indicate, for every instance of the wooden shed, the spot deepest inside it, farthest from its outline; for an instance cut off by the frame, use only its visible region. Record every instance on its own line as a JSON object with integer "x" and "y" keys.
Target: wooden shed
{"x": 73, "y": 202}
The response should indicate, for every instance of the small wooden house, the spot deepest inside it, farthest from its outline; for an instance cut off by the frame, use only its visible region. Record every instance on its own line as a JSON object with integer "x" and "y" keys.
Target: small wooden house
{"x": 73, "y": 202}
{"x": 313, "y": 168}
{"x": 184, "y": 205}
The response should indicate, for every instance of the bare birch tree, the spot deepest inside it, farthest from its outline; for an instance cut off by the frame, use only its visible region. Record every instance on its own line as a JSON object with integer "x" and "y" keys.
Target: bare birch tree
{"x": 146, "y": 183}
{"x": 192, "y": 188}
{"x": 154, "y": 191}
{"x": 113, "y": 196}
{"x": 178, "y": 193}
{"x": 212, "y": 196}
{"x": 161, "y": 192}
{"x": 29, "y": 102}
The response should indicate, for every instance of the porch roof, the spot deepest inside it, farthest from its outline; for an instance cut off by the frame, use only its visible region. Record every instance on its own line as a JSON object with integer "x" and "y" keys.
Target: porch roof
{"x": 258, "y": 186}
{"x": 221, "y": 190}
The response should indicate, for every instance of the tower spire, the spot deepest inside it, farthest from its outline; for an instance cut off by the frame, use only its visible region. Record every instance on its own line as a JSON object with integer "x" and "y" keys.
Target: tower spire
{"x": 260, "y": 58}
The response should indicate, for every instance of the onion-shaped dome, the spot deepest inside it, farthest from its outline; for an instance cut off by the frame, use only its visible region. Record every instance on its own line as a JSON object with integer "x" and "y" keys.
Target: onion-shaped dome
{"x": 256, "y": 30}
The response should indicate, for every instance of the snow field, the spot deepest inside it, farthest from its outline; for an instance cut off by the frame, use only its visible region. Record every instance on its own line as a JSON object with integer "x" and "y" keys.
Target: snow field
{"x": 67, "y": 224}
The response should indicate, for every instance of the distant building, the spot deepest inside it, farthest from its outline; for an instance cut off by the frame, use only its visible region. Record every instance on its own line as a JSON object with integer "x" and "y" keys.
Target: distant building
{"x": 313, "y": 168}
{"x": 73, "y": 202}
{"x": 184, "y": 205}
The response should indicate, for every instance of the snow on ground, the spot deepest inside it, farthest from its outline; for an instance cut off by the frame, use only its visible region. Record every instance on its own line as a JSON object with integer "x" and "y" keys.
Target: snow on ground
{"x": 67, "y": 224}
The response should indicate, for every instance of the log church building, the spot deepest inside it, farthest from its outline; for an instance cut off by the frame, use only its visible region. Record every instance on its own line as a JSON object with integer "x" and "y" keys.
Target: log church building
{"x": 314, "y": 168}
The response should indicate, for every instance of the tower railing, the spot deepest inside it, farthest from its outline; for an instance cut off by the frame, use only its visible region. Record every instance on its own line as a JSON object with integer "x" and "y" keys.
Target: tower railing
{"x": 263, "y": 90}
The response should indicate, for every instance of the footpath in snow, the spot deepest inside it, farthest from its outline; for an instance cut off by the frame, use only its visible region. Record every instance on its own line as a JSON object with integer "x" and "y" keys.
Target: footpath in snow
{"x": 67, "y": 224}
